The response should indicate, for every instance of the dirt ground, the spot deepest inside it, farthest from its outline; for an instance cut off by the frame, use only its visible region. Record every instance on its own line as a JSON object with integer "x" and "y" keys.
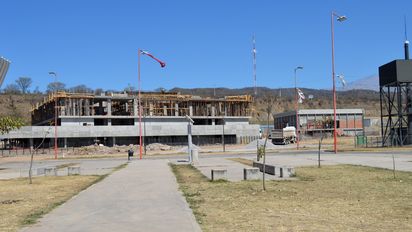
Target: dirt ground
{"x": 332, "y": 198}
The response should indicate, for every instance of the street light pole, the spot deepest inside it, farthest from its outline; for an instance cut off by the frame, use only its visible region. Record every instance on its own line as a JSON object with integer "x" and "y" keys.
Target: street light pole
{"x": 140, "y": 106}
{"x": 223, "y": 134}
{"x": 144, "y": 138}
{"x": 340, "y": 19}
{"x": 297, "y": 109}
{"x": 55, "y": 113}
{"x": 162, "y": 64}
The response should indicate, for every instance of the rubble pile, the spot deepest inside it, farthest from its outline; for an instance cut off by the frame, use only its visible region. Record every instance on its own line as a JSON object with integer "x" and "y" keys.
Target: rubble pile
{"x": 158, "y": 147}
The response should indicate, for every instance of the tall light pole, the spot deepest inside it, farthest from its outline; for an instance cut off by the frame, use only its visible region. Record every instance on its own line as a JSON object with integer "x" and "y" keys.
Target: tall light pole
{"x": 55, "y": 113}
{"x": 139, "y": 104}
{"x": 162, "y": 64}
{"x": 340, "y": 18}
{"x": 297, "y": 108}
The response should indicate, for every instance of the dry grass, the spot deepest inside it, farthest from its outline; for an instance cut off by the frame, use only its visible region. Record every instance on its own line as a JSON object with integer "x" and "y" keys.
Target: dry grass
{"x": 332, "y": 198}
{"x": 242, "y": 161}
{"x": 61, "y": 166}
{"x": 22, "y": 203}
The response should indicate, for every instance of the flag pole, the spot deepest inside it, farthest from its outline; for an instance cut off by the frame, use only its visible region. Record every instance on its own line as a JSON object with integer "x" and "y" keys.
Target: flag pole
{"x": 140, "y": 107}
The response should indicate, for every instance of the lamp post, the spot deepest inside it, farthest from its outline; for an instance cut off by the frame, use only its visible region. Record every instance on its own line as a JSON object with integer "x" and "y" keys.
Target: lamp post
{"x": 162, "y": 64}
{"x": 55, "y": 113}
{"x": 297, "y": 108}
{"x": 340, "y": 18}
{"x": 139, "y": 105}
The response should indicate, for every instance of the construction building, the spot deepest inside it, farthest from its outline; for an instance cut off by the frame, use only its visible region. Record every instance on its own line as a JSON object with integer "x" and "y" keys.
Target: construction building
{"x": 316, "y": 121}
{"x": 113, "y": 119}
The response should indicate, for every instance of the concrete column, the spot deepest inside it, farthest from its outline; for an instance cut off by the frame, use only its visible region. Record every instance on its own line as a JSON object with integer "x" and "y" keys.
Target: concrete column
{"x": 176, "y": 109}
{"x": 165, "y": 110}
{"x": 127, "y": 106}
{"x": 74, "y": 107}
{"x": 87, "y": 105}
{"x": 80, "y": 107}
{"x": 100, "y": 107}
{"x": 213, "y": 111}
{"x": 92, "y": 107}
{"x": 65, "y": 142}
{"x": 31, "y": 143}
{"x": 114, "y": 141}
{"x": 213, "y": 122}
{"x": 190, "y": 111}
{"x": 135, "y": 101}
{"x": 109, "y": 122}
{"x": 109, "y": 107}
{"x": 151, "y": 109}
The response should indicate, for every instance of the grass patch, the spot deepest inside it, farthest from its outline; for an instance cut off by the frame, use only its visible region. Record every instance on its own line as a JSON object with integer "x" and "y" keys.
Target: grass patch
{"x": 23, "y": 204}
{"x": 29, "y": 202}
{"x": 242, "y": 161}
{"x": 61, "y": 166}
{"x": 331, "y": 198}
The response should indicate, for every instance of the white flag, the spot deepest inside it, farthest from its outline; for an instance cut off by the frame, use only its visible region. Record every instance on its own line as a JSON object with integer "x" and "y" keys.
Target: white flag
{"x": 342, "y": 80}
{"x": 301, "y": 96}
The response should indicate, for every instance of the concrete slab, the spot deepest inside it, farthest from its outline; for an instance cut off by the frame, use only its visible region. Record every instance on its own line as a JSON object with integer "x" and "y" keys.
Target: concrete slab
{"x": 218, "y": 174}
{"x": 234, "y": 169}
{"x": 251, "y": 173}
{"x": 144, "y": 196}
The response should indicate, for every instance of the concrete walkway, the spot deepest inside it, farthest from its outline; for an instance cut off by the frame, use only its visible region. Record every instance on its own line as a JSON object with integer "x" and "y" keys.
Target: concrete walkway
{"x": 143, "y": 196}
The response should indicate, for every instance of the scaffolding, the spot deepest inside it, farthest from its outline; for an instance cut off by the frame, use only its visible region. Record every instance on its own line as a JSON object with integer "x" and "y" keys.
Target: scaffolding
{"x": 127, "y": 105}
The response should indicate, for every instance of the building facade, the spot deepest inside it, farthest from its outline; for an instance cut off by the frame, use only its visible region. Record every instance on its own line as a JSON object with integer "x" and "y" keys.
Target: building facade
{"x": 314, "y": 121}
{"x": 113, "y": 119}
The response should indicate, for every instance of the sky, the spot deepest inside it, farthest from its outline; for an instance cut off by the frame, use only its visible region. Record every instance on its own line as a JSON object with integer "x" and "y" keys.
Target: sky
{"x": 204, "y": 43}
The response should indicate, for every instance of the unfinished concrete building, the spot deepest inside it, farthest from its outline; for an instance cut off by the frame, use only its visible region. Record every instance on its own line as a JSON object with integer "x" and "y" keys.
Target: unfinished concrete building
{"x": 113, "y": 118}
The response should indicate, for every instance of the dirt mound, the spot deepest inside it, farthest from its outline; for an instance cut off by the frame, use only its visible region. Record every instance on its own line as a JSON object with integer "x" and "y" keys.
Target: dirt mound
{"x": 158, "y": 147}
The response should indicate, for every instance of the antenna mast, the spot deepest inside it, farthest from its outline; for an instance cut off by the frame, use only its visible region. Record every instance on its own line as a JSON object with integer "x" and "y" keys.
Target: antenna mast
{"x": 254, "y": 64}
{"x": 406, "y": 44}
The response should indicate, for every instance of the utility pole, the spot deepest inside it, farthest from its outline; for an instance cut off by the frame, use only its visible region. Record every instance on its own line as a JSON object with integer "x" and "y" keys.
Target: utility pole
{"x": 254, "y": 65}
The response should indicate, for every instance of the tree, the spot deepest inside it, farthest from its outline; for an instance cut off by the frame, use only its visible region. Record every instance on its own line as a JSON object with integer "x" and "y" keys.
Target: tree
{"x": 24, "y": 84}
{"x": 80, "y": 89}
{"x": 98, "y": 91}
{"x": 8, "y": 123}
{"x": 55, "y": 86}
{"x": 130, "y": 88}
{"x": 37, "y": 90}
{"x": 12, "y": 89}
{"x": 269, "y": 102}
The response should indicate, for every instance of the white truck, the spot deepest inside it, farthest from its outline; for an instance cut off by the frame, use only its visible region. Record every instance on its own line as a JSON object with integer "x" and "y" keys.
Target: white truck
{"x": 283, "y": 136}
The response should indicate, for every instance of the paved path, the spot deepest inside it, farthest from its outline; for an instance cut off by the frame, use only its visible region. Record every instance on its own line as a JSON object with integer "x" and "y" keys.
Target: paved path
{"x": 403, "y": 162}
{"x": 143, "y": 196}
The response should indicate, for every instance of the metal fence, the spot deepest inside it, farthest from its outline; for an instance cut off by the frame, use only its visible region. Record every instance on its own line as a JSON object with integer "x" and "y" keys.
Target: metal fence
{"x": 367, "y": 141}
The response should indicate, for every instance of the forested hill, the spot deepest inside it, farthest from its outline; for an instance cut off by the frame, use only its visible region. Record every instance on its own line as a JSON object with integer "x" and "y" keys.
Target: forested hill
{"x": 19, "y": 104}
